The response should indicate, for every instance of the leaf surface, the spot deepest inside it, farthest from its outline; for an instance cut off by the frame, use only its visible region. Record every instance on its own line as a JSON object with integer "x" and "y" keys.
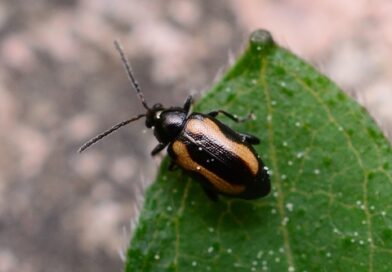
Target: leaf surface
{"x": 330, "y": 207}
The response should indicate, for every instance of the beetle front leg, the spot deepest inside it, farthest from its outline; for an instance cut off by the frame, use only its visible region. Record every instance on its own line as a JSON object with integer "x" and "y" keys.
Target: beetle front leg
{"x": 231, "y": 116}
{"x": 250, "y": 139}
{"x": 158, "y": 149}
{"x": 188, "y": 103}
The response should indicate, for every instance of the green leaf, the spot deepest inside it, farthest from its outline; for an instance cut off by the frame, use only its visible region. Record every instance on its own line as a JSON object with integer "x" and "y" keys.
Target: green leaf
{"x": 330, "y": 208}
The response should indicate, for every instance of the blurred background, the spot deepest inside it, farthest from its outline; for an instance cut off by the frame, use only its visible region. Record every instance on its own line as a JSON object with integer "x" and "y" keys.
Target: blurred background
{"x": 61, "y": 82}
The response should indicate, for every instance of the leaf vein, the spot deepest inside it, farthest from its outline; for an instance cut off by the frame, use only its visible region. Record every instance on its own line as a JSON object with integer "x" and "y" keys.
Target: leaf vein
{"x": 274, "y": 161}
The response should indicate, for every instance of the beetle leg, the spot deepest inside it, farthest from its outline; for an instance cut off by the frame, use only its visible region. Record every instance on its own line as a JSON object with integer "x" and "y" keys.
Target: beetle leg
{"x": 212, "y": 195}
{"x": 158, "y": 149}
{"x": 172, "y": 165}
{"x": 250, "y": 139}
{"x": 188, "y": 103}
{"x": 231, "y": 116}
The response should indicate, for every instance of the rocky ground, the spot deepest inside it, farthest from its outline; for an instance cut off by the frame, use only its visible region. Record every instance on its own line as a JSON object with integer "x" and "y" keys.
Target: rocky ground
{"x": 61, "y": 81}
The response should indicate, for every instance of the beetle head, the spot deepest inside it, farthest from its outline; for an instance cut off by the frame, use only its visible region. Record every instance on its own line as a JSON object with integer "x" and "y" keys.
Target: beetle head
{"x": 166, "y": 122}
{"x": 153, "y": 115}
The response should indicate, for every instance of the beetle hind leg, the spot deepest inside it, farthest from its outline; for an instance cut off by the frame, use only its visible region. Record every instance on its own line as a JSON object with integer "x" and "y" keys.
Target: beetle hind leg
{"x": 212, "y": 195}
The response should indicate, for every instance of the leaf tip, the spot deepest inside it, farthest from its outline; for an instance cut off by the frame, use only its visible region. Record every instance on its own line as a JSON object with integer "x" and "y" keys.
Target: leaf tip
{"x": 261, "y": 40}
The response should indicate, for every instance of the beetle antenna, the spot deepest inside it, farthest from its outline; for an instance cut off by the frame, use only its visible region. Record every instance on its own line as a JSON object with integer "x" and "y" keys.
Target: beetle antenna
{"x": 107, "y": 132}
{"x": 131, "y": 77}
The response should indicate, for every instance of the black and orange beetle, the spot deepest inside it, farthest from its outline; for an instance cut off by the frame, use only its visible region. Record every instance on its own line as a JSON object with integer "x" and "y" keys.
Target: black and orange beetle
{"x": 223, "y": 160}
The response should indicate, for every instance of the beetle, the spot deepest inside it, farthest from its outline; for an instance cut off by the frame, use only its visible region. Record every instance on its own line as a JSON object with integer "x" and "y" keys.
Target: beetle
{"x": 223, "y": 160}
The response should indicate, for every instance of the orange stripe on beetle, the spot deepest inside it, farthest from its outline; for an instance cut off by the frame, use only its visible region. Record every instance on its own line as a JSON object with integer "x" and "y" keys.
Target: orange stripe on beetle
{"x": 186, "y": 162}
{"x": 208, "y": 127}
